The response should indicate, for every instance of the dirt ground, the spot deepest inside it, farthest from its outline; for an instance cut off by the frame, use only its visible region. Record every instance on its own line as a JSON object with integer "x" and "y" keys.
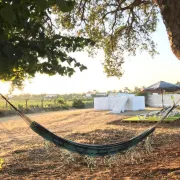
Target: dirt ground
{"x": 27, "y": 156}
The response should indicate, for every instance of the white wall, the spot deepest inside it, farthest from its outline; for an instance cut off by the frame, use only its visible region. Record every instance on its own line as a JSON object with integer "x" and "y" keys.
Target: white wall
{"x": 156, "y": 100}
{"x": 135, "y": 103}
{"x": 101, "y": 103}
{"x": 108, "y": 103}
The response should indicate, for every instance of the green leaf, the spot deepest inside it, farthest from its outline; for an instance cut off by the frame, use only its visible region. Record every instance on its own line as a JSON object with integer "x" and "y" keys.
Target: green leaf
{"x": 82, "y": 68}
{"x": 65, "y": 6}
{"x": 29, "y": 42}
{"x": 8, "y": 14}
{"x": 41, "y": 4}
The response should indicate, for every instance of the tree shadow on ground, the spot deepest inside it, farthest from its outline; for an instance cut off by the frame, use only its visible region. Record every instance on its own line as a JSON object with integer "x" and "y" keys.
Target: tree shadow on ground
{"x": 106, "y": 136}
{"x": 45, "y": 160}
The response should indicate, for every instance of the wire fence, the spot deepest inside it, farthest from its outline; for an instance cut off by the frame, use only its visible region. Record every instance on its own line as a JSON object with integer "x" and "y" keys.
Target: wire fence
{"x": 33, "y": 106}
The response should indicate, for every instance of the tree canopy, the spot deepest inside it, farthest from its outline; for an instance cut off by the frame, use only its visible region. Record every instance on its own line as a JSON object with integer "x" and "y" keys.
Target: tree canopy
{"x": 30, "y": 42}
{"x": 123, "y": 27}
{"x": 120, "y": 27}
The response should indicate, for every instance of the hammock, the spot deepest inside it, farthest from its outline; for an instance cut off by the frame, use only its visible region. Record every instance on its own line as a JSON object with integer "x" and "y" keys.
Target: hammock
{"x": 86, "y": 149}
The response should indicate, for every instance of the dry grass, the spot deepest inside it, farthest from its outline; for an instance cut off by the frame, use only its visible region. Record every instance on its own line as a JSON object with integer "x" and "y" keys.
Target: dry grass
{"x": 28, "y": 156}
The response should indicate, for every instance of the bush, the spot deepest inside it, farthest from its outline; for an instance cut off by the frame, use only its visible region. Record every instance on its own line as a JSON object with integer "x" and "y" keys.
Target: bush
{"x": 77, "y": 103}
{"x": 141, "y": 93}
{"x": 60, "y": 101}
{"x": 89, "y": 104}
{"x": 65, "y": 107}
{"x": 5, "y": 112}
{"x": 20, "y": 107}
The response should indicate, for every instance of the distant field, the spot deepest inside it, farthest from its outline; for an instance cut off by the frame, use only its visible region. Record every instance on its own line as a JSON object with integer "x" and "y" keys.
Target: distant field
{"x": 23, "y": 103}
{"x": 39, "y": 103}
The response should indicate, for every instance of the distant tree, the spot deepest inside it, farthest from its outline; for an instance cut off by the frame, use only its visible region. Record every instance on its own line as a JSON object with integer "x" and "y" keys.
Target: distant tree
{"x": 127, "y": 90}
{"x": 136, "y": 90}
{"x": 120, "y": 91}
{"x": 77, "y": 103}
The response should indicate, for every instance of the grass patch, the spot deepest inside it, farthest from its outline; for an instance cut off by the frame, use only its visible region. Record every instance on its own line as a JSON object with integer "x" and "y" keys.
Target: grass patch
{"x": 152, "y": 119}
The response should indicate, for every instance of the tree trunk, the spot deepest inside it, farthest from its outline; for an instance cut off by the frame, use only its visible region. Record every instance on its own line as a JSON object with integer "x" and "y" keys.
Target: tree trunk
{"x": 170, "y": 11}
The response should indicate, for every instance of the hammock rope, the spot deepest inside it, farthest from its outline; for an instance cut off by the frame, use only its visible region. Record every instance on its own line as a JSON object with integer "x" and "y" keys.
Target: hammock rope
{"x": 86, "y": 149}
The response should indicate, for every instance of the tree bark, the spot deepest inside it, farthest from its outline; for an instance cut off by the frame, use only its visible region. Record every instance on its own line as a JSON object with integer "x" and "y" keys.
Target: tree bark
{"x": 170, "y": 11}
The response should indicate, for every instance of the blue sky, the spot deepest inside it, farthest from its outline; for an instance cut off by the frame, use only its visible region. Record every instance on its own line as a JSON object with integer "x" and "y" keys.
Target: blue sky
{"x": 142, "y": 70}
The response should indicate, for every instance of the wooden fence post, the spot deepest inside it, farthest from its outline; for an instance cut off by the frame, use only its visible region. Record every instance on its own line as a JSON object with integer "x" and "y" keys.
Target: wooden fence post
{"x": 42, "y": 100}
{"x": 27, "y": 103}
{"x": 7, "y": 103}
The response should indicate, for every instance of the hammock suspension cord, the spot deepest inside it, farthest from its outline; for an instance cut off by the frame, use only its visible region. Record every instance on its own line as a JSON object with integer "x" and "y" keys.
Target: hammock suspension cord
{"x": 87, "y": 149}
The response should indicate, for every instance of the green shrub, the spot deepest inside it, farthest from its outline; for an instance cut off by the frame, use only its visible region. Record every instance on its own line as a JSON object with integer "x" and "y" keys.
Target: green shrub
{"x": 89, "y": 104}
{"x": 141, "y": 93}
{"x": 20, "y": 107}
{"x": 6, "y": 112}
{"x": 77, "y": 103}
{"x": 64, "y": 106}
{"x": 3, "y": 112}
{"x": 60, "y": 101}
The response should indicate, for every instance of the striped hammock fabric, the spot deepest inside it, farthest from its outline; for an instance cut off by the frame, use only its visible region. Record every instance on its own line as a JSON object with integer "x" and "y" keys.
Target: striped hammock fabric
{"x": 86, "y": 149}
